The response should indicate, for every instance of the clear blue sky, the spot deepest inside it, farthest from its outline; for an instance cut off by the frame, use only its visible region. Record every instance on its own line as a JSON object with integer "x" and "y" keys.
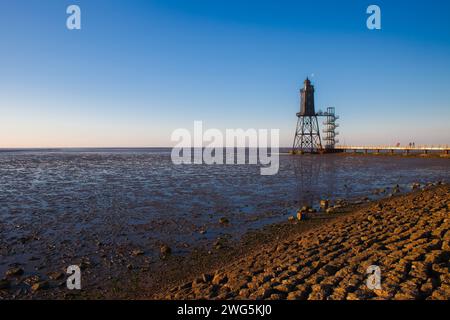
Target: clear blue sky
{"x": 140, "y": 69}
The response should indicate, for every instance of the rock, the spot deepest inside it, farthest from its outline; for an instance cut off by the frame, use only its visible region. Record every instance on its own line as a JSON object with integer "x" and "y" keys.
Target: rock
{"x": 224, "y": 220}
{"x": 305, "y": 208}
{"x": 165, "y": 250}
{"x": 446, "y": 236}
{"x": 137, "y": 252}
{"x": 207, "y": 277}
{"x": 378, "y": 207}
{"x": 373, "y": 217}
{"x": 404, "y": 296}
{"x": 446, "y": 245}
{"x": 40, "y": 286}
{"x": 55, "y": 275}
{"x": 263, "y": 293}
{"x": 427, "y": 288}
{"x": 330, "y": 269}
{"x": 291, "y": 218}
{"x": 244, "y": 293}
{"x": 187, "y": 285}
{"x": 440, "y": 294}
{"x": 86, "y": 263}
{"x": 220, "y": 243}
{"x": 352, "y": 296}
{"x": 294, "y": 268}
{"x": 219, "y": 279}
{"x": 384, "y": 294}
{"x": 294, "y": 296}
{"x": 330, "y": 210}
{"x": 32, "y": 280}
{"x": 420, "y": 235}
{"x": 202, "y": 231}
{"x": 277, "y": 296}
{"x": 407, "y": 236}
{"x": 324, "y": 204}
{"x": 4, "y": 284}
{"x": 14, "y": 272}
{"x": 283, "y": 288}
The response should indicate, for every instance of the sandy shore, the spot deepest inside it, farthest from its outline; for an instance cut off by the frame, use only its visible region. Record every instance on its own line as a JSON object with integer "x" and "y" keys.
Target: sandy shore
{"x": 407, "y": 236}
{"x": 323, "y": 257}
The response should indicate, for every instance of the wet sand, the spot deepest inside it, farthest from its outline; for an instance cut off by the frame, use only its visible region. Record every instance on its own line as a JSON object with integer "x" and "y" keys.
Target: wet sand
{"x": 407, "y": 236}
{"x": 322, "y": 257}
{"x": 146, "y": 278}
{"x": 112, "y": 213}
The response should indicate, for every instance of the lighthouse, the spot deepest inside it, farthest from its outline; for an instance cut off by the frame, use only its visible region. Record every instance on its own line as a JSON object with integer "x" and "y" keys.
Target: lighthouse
{"x": 307, "y": 134}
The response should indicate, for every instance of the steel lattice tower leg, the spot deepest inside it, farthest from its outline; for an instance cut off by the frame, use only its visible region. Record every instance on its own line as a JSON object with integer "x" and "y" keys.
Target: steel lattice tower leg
{"x": 307, "y": 135}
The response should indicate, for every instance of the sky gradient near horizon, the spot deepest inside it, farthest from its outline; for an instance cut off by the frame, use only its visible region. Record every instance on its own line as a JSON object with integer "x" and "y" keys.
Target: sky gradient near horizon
{"x": 139, "y": 69}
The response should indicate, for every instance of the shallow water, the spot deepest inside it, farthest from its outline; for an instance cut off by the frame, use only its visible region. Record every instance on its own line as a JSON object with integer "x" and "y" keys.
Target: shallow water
{"x": 59, "y": 206}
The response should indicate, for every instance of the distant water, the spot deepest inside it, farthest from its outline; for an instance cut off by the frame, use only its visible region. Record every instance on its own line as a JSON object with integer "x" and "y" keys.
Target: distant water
{"x": 52, "y": 197}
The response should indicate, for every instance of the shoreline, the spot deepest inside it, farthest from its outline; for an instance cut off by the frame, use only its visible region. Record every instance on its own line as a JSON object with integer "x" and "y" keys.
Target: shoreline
{"x": 399, "y": 154}
{"x": 430, "y": 155}
{"x": 161, "y": 279}
{"x": 284, "y": 270}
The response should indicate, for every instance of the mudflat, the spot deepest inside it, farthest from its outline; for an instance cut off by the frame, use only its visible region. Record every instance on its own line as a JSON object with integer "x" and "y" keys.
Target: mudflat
{"x": 407, "y": 237}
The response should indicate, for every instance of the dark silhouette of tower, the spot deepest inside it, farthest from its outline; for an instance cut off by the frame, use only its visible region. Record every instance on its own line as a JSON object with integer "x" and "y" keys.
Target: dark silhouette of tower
{"x": 307, "y": 134}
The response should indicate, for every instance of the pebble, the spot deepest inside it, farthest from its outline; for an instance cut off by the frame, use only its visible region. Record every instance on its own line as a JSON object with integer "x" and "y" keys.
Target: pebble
{"x": 14, "y": 272}
{"x": 40, "y": 286}
{"x": 224, "y": 220}
{"x": 324, "y": 204}
{"x": 137, "y": 252}
{"x": 56, "y": 275}
{"x": 305, "y": 208}
{"x": 165, "y": 250}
